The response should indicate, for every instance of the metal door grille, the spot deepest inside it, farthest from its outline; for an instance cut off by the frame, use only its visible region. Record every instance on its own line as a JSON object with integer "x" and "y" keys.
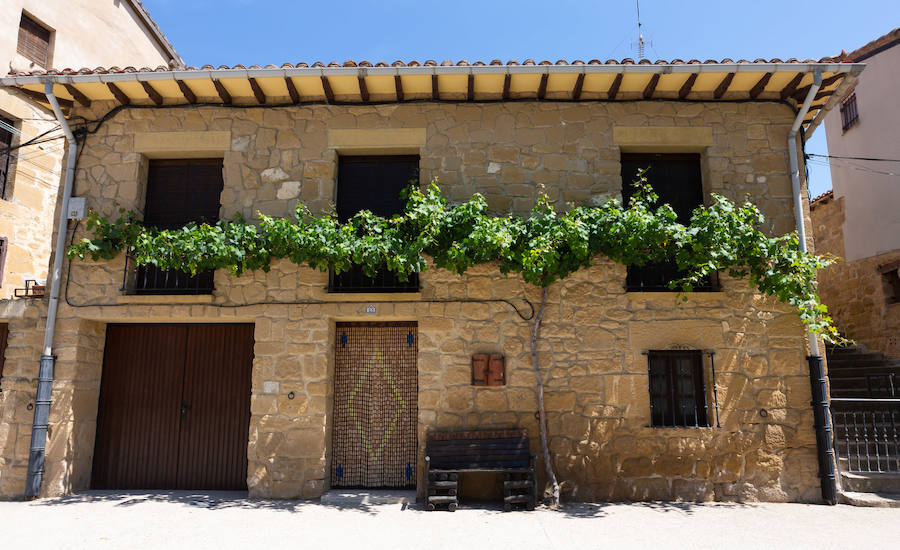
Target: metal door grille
{"x": 375, "y": 405}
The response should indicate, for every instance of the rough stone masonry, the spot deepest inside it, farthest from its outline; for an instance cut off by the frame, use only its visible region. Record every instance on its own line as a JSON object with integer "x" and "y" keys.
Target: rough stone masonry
{"x": 594, "y": 332}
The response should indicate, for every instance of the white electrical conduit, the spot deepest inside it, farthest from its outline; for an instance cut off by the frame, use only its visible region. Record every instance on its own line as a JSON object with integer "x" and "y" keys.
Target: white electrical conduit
{"x": 43, "y": 399}
{"x": 795, "y": 182}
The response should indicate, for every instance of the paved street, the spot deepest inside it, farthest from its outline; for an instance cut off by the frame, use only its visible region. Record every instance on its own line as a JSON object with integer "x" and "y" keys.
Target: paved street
{"x": 222, "y": 521}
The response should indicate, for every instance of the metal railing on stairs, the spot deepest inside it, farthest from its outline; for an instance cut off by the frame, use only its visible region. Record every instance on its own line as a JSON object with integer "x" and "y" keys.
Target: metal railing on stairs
{"x": 867, "y": 434}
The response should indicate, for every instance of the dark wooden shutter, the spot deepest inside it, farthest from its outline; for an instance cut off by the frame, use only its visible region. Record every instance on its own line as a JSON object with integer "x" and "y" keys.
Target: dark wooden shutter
{"x": 182, "y": 191}
{"x": 374, "y": 183}
{"x": 34, "y": 41}
{"x": 675, "y": 178}
{"x": 6, "y": 139}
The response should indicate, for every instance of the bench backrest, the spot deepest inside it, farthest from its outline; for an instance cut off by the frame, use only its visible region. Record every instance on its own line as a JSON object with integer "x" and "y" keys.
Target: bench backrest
{"x": 462, "y": 450}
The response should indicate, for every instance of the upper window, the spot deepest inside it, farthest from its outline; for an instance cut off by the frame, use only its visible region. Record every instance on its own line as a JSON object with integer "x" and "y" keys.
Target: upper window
{"x": 34, "y": 41}
{"x": 677, "y": 389}
{"x": 7, "y": 129}
{"x": 676, "y": 179}
{"x": 178, "y": 192}
{"x": 890, "y": 278}
{"x": 375, "y": 184}
{"x": 849, "y": 113}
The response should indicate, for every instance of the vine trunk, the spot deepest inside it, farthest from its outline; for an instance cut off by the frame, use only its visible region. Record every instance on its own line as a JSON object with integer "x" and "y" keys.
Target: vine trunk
{"x": 542, "y": 413}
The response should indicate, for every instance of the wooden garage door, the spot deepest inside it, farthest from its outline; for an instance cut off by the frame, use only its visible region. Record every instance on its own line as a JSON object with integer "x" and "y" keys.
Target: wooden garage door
{"x": 174, "y": 407}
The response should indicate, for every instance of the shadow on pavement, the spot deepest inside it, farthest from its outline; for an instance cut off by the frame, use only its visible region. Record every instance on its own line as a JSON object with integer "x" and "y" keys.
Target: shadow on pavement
{"x": 210, "y": 500}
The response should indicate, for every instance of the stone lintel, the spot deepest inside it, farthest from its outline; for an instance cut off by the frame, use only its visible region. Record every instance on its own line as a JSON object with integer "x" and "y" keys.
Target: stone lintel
{"x": 662, "y": 139}
{"x": 182, "y": 144}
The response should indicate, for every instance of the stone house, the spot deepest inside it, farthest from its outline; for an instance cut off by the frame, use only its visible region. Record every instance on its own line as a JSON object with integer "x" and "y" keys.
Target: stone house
{"x": 857, "y": 221}
{"x": 292, "y": 382}
{"x": 37, "y": 35}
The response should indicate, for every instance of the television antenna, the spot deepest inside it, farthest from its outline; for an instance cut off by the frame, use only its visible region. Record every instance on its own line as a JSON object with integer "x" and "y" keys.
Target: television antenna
{"x": 641, "y": 44}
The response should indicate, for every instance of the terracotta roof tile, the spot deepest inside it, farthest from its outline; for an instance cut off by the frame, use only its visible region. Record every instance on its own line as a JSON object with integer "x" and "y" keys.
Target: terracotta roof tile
{"x": 894, "y": 35}
{"x": 882, "y": 42}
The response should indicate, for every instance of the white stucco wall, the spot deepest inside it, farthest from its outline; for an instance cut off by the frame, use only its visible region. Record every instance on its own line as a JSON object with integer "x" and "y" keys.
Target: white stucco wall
{"x": 86, "y": 33}
{"x": 872, "y": 201}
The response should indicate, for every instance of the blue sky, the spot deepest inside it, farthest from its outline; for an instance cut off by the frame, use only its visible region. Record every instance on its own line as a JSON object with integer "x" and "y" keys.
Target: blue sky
{"x": 228, "y": 32}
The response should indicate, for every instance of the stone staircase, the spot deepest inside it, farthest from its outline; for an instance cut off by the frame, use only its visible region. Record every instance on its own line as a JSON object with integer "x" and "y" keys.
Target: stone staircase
{"x": 867, "y": 424}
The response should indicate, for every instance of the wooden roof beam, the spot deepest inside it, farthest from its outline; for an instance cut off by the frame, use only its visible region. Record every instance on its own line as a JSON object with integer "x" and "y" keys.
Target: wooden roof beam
{"x": 223, "y": 93}
{"x": 507, "y": 82}
{"x": 329, "y": 94}
{"x": 760, "y": 85}
{"x": 614, "y": 88}
{"x": 292, "y": 90}
{"x": 542, "y": 89}
{"x": 257, "y": 91}
{"x": 120, "y": 96}
{"x": 470, "y": 89}
{"x": 651, "y": 86}
{"x": 791, "y": 87}
{"x": 800, "y": 94}
{"x": 152, "y": 93}
{"x": 435, "y": 95}
{"x": 38, "y": 96}
{"x": 579, "y": 84}
{"x": 723, "y": 86}
{"x": 186, "y": 92}
{"x": 76, "y": 93}
{"x": 398, "y": 86}
{"x": 363, "y": 89}
{"x": 686, "y": 87}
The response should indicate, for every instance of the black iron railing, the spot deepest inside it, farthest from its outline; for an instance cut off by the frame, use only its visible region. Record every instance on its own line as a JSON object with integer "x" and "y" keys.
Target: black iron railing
{"x": 867, "y": 434}
{"x": 655, "y": 277}
{"x": 355, "y": 280}
{"x": 149, "y": 279}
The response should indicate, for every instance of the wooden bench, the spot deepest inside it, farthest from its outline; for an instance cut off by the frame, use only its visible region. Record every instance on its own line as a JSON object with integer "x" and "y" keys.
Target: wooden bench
{"x": 449, "y": 454}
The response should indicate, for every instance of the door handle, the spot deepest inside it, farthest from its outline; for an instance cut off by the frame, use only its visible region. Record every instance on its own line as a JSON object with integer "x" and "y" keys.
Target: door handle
{"x": 184, "y": 409}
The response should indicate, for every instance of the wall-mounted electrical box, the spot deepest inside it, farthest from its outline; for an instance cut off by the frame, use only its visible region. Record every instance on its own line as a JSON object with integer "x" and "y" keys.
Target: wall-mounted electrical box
{"x": 77, "y": 208}
{"x": 488, "y": 370}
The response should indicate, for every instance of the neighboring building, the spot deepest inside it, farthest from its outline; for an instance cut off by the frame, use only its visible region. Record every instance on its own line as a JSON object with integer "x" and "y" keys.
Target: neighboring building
{"x": 34, "y": 35}
{"x": 274, "y": 382}
{"x": 859, "y": 221}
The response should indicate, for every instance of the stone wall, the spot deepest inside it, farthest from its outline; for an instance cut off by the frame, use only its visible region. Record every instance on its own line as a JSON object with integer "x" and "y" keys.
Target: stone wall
{"x": 26, "y": 213}
{"x": 594, "y": 332}
{"x": 854, "y": 291}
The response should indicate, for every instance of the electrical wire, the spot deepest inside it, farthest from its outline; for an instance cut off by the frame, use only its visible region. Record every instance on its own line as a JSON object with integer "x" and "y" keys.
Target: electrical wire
{"x": 851, "y": 158}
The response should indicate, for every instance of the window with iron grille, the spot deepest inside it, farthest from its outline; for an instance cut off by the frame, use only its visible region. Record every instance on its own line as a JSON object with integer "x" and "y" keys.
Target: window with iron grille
{"x": 676, "y": 179}
{"x": 849, "y": 113}
{"x": 374, "y": 183}
{"x": 6, "y": 142}
{"x": 34, "y": 41}
{"x": 677, "y": 389}
{"x": 178, "y": 192}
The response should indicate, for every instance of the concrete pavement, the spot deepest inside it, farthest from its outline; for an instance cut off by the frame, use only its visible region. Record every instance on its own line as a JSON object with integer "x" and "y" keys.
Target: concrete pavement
{"x": 181, "y": 519}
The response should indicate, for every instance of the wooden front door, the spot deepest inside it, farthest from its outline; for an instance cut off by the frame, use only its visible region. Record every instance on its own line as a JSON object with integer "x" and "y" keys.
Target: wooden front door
{"x": 375, "y": 405}
{"x": 174, "y": 407}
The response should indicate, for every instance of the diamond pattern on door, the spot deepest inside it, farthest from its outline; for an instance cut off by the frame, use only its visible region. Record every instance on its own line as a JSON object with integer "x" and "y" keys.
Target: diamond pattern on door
{"x": 375, "y": 405}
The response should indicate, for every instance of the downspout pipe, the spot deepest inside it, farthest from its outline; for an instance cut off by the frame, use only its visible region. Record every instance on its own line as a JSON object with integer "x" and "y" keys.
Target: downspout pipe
{"x": 43, "y": 399}
{"x": 817, "y": 379}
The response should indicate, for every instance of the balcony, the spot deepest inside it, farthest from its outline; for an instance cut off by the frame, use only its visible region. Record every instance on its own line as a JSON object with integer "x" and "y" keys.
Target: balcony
{"x": 655, "y": 277}
{"x": 355, "y": 280}
{"x": 149, "y": 279}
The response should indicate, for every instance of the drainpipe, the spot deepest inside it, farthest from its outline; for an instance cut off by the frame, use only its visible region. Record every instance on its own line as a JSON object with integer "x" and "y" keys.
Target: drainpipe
{"x": 48, "y": 360}
{"x": 817, "y": 379}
